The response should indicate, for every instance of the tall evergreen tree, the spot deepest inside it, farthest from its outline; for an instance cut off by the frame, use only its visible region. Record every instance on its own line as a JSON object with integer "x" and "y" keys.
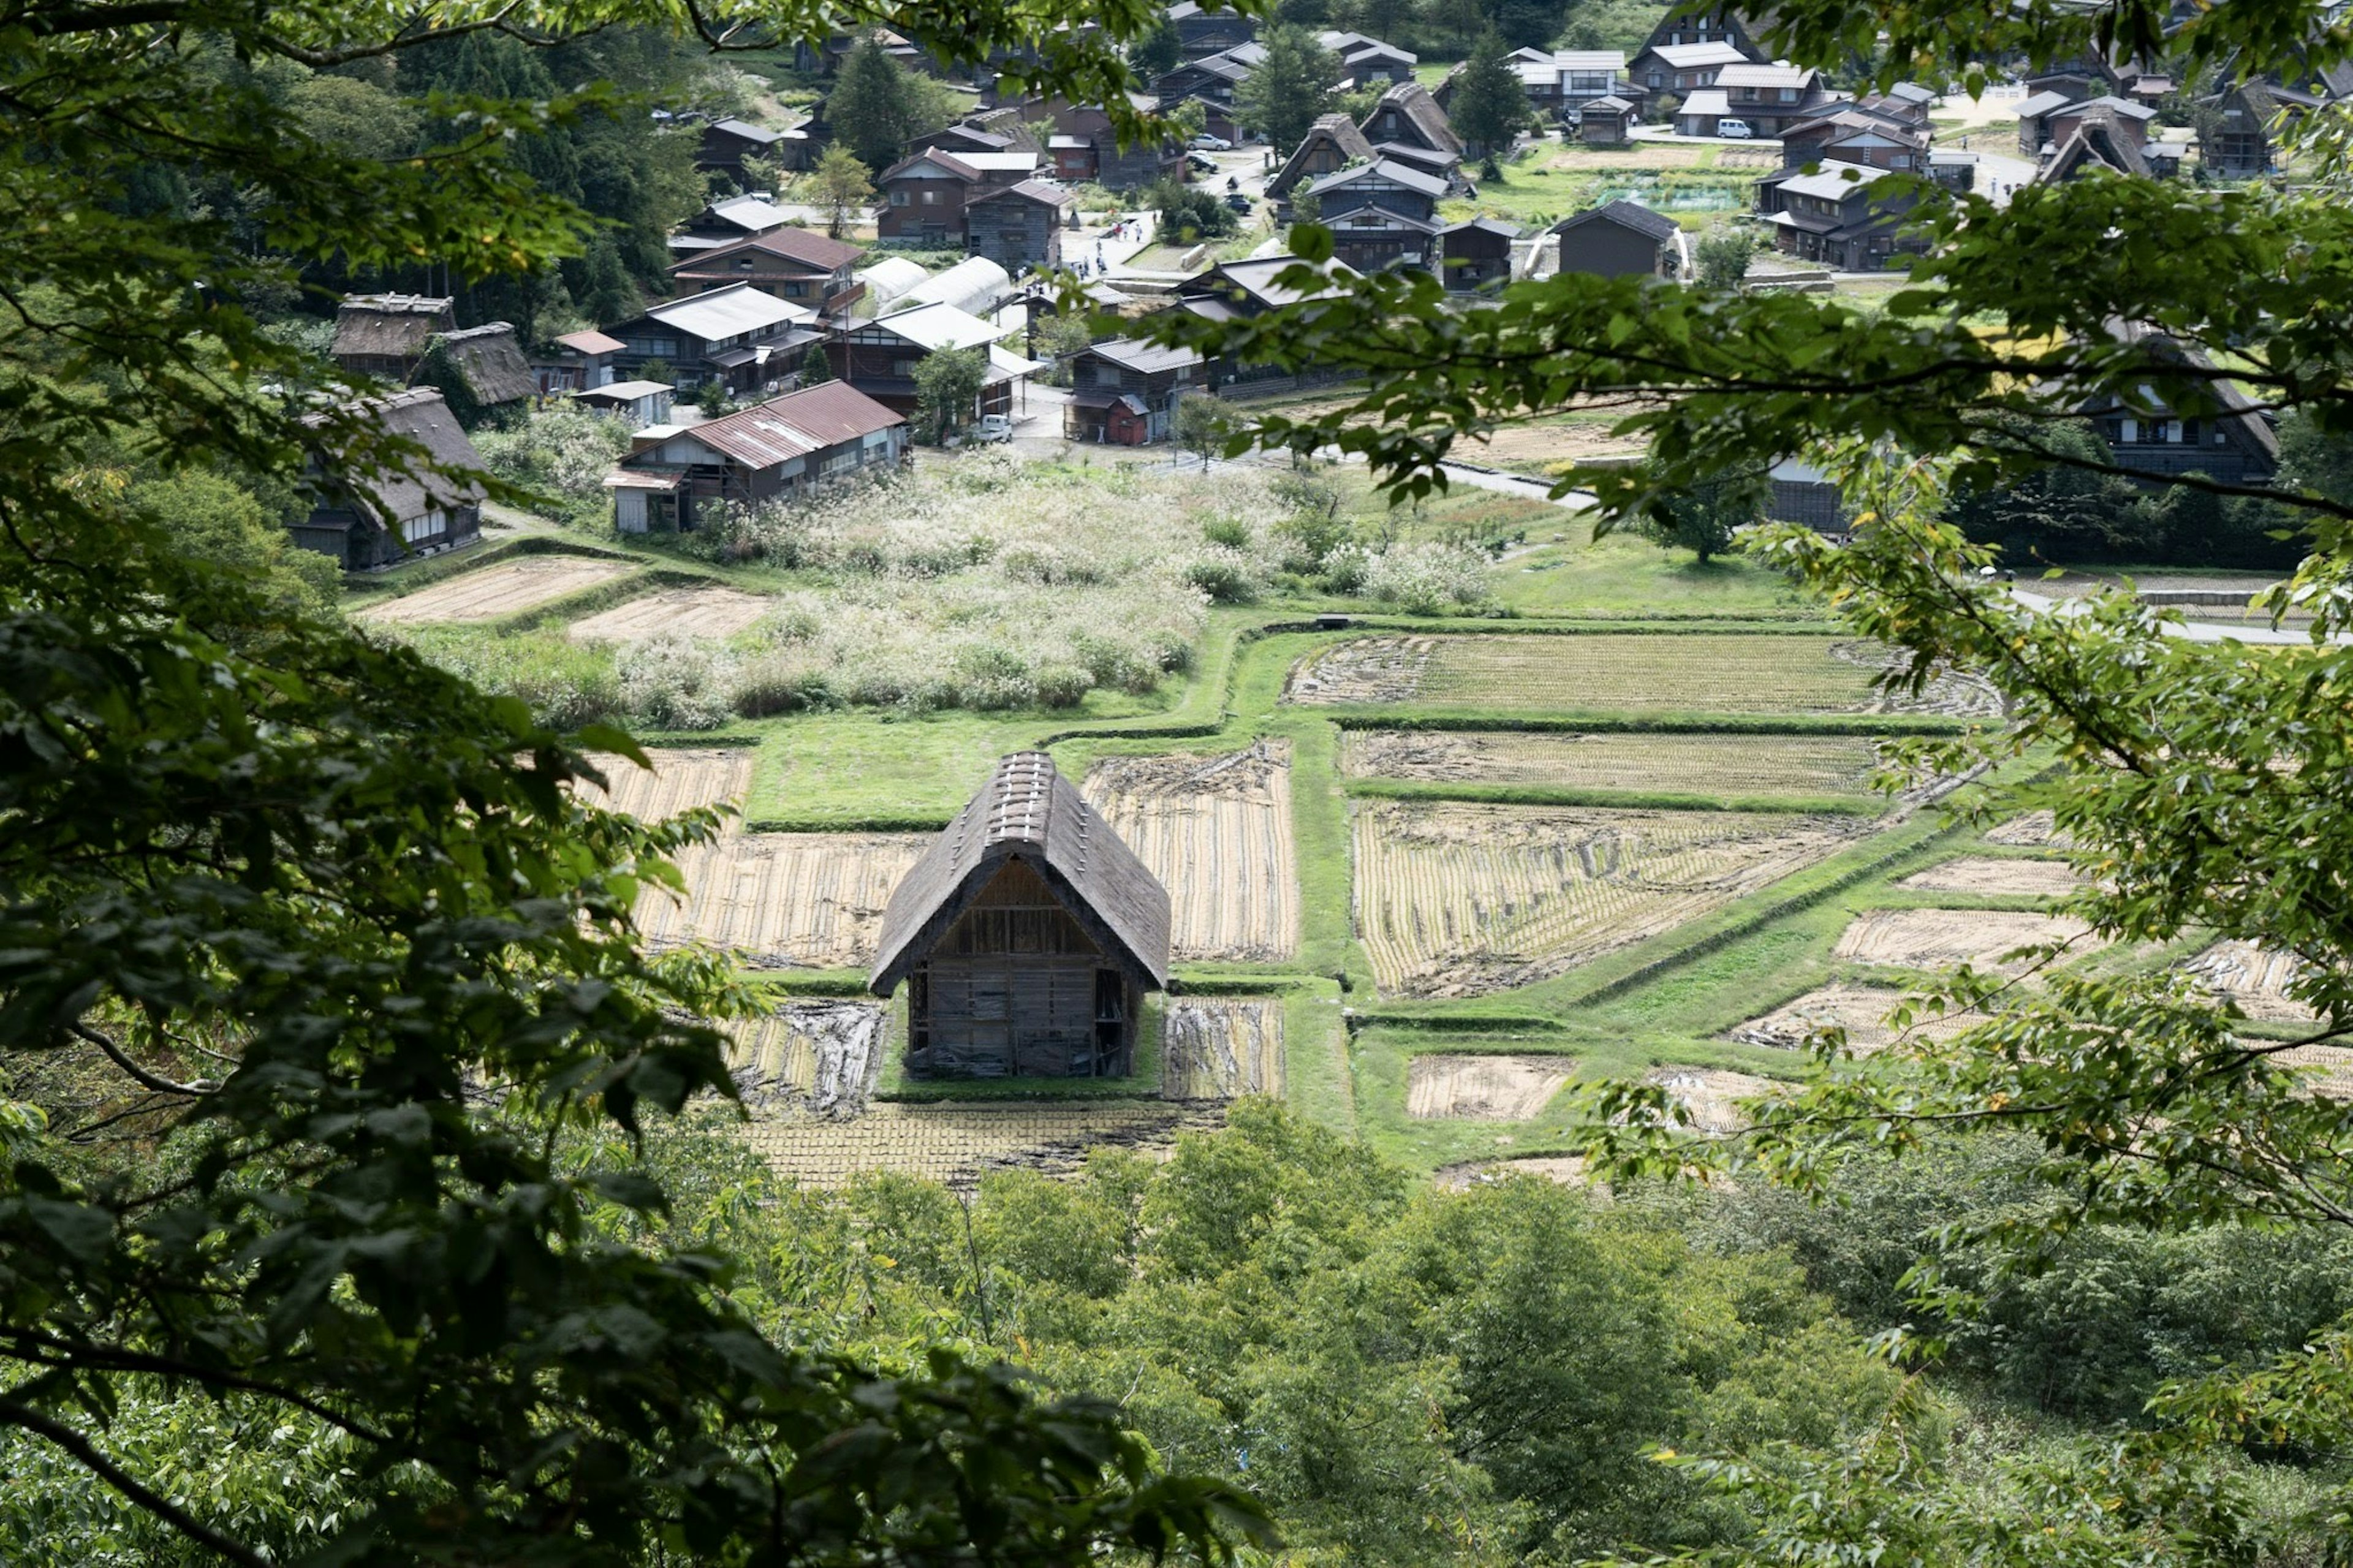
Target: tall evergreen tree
{"x": 1290, "y": 87}
{"x": 874, "y": 109}
{"x": 1490, "y": 103}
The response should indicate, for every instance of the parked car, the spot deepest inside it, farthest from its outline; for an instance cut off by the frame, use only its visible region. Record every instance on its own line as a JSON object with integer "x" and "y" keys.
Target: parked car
{"x": 1238, "y": 202}
{"x": 1205, "y": 143}
{"x": 1198, "y": 164}
{"x": 1733, "y": 129}
{"x": 994, "y": 427}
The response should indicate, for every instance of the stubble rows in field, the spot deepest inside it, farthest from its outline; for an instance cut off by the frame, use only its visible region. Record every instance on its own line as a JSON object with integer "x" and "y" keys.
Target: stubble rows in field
{"x": 2256, "y": 978}
{"x": 1464, "y": 1087}
{"x": 784, "y": 899}
{"x": 959, "y": 1145}
{"x": 1723, "y": 765}
{"x": 1861, "y": 1010}
{"x": 1215, "y": 830}
{"x": 1220, "y": 1048}
{"x": 681, "y": 779}
{"x": 1941, "y": 938}
{"x": 1712, "y": 1097}
{"x": 1454, "y": 898}
{"x": 494, "y": 591}
{"x": 822, "y": 1055}
{"x": 708, "y": 612}
{"x": 1996, "y": 874}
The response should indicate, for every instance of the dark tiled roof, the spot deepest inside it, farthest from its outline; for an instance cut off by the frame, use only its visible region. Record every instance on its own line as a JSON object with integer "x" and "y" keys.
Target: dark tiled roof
{"x": 1625, "y": 215}
{"x": 1028, "y": 812}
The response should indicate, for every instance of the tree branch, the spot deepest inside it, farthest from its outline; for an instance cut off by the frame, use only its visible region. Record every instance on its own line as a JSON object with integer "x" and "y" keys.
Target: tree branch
{"x": 113, "y": 1475}
{"x": 141, "y": 1075}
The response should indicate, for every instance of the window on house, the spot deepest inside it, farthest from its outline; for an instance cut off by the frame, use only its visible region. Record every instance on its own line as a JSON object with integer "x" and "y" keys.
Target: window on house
{"x": 1789, "y": 95}
{"x": 898, "y": 199}
{"x": 930, "y": 198}
{"x": 432, "y": 525}
{"x": 1106, "y": 376}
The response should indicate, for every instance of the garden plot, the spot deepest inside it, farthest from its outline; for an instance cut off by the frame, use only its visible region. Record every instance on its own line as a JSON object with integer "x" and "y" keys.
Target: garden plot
{"x": 2035, "y": 831}
{"x": 784, "y": 900}
{"x": 2256, "y": 978}
{"x": 1704, "y": 672}
{"x": 1712, "y": 1097}
{"x": 822, "y": 1055}
{"x": 1941, "y": 939}
{"x": 960, "y": 1143}
{"x": 1481, "y": 1088}
{"x": 679, "y": 781}
{"x": 1994, "y": 874}
{"x": 1216, "y": 832}
{"x": 706, "y": 612}
{"x": 1720, "y": 765}
{"x": 1454, "y": 898}
{"x": 1217, "y": 1049}
{"x": 1860, "y": 1010}
{"x": 495, "y": 591}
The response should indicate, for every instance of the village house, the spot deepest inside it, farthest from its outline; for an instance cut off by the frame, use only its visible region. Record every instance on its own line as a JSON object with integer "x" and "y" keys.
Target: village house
{"x": 1242, "y": 290}
{"x": 1381, "y": 215}
{"x": 1831, "y": 217}
{"x": 1212, "y": 78}
{"x": 2099, "y": 140}
{"x": 1084, "y": 148}
{"x": 487, "y": 362}
{"x": 1721, "y": 24}
{"x": 2056, "y": 125}
{"x": 727, "y": 142}
{"x": 1204, "y": 32}
{"x": 383, "y": 335}
{"x": 1028, "y": 936}
{"x": 799, "y": 265}
{"x": 635, "y": 403}
{"x": 1331, "y": 144}
{"x": 1018, "y": 227}
{"x": 728, "y": 222}
{"x": 1677, "y": 70}
{"x": 2231, "y": 442}
{"x": 879, "y": 357}
{"x": 363, "y": 518}
{"x": 1585, "y": 77}
{"x": 1124, "y": 393}
{"x": 1767, "y": 97}
{"x": 675, "y": 477}
{"x": 1406, "y": 120}
{"x": 1475, "y": 253}
{"x": 920, "y": 200}
{"x": 1621, "y": 239}
{"x": 578, "y": 360}
{"x": 1607, "y": 122}
{"x": 1852, "y": 135}
{"x": 737, "y": 336}
{"x": 1366, "y": 60}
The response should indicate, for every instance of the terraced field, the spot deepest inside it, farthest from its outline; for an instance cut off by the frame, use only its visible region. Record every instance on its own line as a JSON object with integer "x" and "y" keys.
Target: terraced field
{"x": 1217, "y": 1049}
{"x": 1215, "y": 830}
{"x": 1941, "y": 939}
{"x": 2255, "y": 978}
{"x": 1712, "y": 1097}
{"x": 494, "y": 591}
{"x": 781, "y": 901}
{"x": 1455, "y": 899}
{"x": 822, "y": 1055}
{"x": 959, "y": 1145}
{"x": 711, "y": 612}
{"x": 1695, "y": 672}
{"x": 1861, "y": 1011}
{"x": 1998, "y": 874}
{"x": 1484, "y": 1088}
{"x": 1717, "y": 764}
{"x": 681, "y": 779}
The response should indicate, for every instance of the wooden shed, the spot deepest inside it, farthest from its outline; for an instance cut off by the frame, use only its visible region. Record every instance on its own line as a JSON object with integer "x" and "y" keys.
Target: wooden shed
{"x": 1028, "y": 936}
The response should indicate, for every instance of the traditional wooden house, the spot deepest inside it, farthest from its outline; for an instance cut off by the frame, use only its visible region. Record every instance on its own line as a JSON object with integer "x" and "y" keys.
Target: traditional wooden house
{"x": 1240, "y": 290}
{"x": 1212, "y": 78}
{"x": 578, "y": 360}
{"x": 383, "y": 335}
{"x": 1019, "y": 227}
{"x": 799, "y": 265}
{"x": 364, "y": 516}
{"x": 1381, "y": 215}
{"x": 1620, "y": 239}
{"x": 1124, "y": 393}
{"x": 879, "y": 357}
{"x": 2227, "y": 438}
{"x": 1201, "y": 31}
{"x": 1853, "y": 136}
{"x": 1083, "y": 147}
{"x": 1028, "y": 937}
{"x": 922, "y": 200}
{"x": 737, "y": 336}
{"x": 1475, "y": 253}
{"x": 1768, "y": 97}
{"x": 2095, "y": 141}
{"x": 1331, "y": 144}
{"x": 1660, "y": 70}
{"x": 1407, "y": 117}
{"x": 1801, "y": 494}
{"x": 1831, "y": 216}
{"x": 727, "y": 142}
{"x": 2125, "y": 118}
{"x": 1606, "y": 121}
{"x": 636, "y": 404}
{"x": 1365, "y": 60}
{"x": 1683, "y": 25}
{"x": 676, "y": 475}
{"x": 1585, "y": 77}
{"x": 728, "y": 222}
{"x": 486, "y": 361}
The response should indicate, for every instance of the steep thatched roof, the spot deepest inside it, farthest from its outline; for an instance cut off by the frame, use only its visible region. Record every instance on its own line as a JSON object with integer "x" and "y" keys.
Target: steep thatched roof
{"x": 1028, "y": 812}
{"x": 491, "y": 360}
{"x": 389, "y": 326}
{"x": 418, "y": 415}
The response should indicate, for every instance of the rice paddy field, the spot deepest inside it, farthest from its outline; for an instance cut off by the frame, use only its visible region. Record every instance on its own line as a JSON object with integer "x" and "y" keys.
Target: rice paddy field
{"x": 1432, "y": 871}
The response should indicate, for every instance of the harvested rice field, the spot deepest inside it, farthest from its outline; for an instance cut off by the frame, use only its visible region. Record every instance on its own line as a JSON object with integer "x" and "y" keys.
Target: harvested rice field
{"x": 494, "y": 591}
{"x": 1860, "y": 1010}
{"x": 1214, "y": 1048}
{"x": 1994, "y": 874}
{"x": 1455, "y": 899}
{"x": 711, "y": 612}
{"x": 1939, "y": 939}
{"x": 1215, "y": 830}
{"x": 2255, "y": 978}
{"x": 781, "y": 901}
{"x": 2034, "y": 830}
{"x": 1712, "y": 1097}
{"x": 680, "y": 780}
{"x": 1483, "y": 1088}
{"x": 1704, "y": 672}
{"x": 820, "y": 1056}
{"x": 2331, "y": 1069}
{"x": 959, "y": 1145}
{"x": 1715, "y": 764}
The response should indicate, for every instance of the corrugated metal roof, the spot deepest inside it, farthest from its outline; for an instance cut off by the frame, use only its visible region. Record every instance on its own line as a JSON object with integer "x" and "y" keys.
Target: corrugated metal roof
{"x": 723, "y": 313}
{"x": 1832, "y": 181}
{"x": 592, "y": 342}
{"x": 796, "y": 425}
{"x": 1777, "y": 75}
{"x": 1028, "y": 812}
{"x": 938, "y": 327}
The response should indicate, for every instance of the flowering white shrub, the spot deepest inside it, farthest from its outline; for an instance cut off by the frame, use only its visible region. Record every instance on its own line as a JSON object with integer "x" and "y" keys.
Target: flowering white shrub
{"x": 678, "y": 683}
{"x": 564, "y": 450}
{"x": 1427, "y": 579}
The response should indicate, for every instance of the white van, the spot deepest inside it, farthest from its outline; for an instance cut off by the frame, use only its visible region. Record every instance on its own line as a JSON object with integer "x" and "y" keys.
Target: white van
{"x": 1734, "y": 130}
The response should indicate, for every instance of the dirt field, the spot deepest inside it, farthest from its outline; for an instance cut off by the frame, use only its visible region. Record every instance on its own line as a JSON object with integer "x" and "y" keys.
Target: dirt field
{"x": 1992, "y": 874}
{"x": 1861, "y": 1010}
{"x": 2255, "y": 978}
{"x": 1484, "y": 1088}
{"x": 1729, "y": 765}
{"x": 1215, "y": 830}
{"x": 822, "y": 1055}
{"x": 783, "y": 900}
{"x": 959, "y": 1145}
{"x": 2032, "y": 831}
{"x": 1217, "y": 1049}
{"x": 1534, "y": 447}
{"x": 711, "y": 612}
{"x": 2333, "y": 1065}
{"x": 1939, "y": 939}
{"x": 1709, "y": 672}
{"x": 1710, "y": 1096}
{"x": 1568, "y": 1169}
{"x": 495, "y": 591}
{"x": 1454, "y": 898}
{"x": 681, "y": 780}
